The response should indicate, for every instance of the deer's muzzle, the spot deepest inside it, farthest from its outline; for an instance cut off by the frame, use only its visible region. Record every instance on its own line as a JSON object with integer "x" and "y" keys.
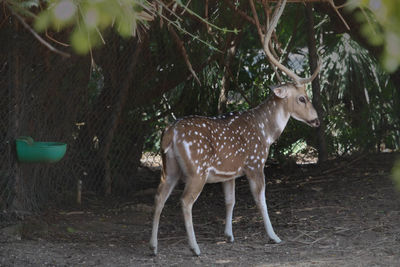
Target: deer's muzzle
{"x": 314, "y": 123}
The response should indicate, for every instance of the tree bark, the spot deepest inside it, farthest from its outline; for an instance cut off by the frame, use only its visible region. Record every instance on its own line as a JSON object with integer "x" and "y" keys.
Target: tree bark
{"x": 116, "y": 116}
{"x": 14, "y": 89}
{"x": 316, "y": 88}
{"x": 225, "y": 83}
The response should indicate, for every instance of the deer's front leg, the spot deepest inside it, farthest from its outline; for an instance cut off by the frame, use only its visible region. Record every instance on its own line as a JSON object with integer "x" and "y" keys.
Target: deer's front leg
{"x": 257, "y": 186}
{"x": 192, "y": 190}
{"x": 229, "y": 192}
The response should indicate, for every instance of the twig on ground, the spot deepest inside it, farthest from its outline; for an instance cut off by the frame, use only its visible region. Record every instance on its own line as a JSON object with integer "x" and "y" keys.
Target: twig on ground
{"x": 339, "y": 168}
{"x": 297, "y": 237}
{"x": 317, "y": 240}
{"x": 320, "y": 207}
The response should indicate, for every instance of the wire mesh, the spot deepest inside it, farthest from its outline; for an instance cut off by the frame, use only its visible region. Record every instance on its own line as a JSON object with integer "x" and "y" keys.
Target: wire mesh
{"x": 111, "y": 106}
{"x": 95, "y": 112}
{"x": 108, "y": 113}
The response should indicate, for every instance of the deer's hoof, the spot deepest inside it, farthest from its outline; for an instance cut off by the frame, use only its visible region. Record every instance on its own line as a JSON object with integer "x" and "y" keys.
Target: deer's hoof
{"x": 277, "y": 240}
{"x": 153, "y": 249}
{"x": 196, "y": 251}
{"x": 273, "y": 237}
{"x": 229, "y": 238}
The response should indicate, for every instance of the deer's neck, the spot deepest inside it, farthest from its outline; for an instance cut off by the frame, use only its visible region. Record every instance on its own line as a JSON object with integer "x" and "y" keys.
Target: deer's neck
{"x": 271, "y": 117}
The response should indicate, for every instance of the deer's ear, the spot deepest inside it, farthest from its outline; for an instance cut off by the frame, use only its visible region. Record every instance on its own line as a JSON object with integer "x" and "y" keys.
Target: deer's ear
{"x": 280, "y": 91}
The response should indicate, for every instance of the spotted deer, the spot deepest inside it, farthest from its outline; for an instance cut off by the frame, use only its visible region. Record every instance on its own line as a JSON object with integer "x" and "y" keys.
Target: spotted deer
{"x": 200, "y": 150}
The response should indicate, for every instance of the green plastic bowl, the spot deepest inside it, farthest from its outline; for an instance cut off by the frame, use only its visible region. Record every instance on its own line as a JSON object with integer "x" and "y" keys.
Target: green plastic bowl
{"x": 36, "y": 152}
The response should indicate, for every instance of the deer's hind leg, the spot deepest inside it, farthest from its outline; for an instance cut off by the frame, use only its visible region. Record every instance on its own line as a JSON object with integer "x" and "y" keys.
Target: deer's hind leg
{"x": 171, "y": 173}
{"x": 229, "y": 193}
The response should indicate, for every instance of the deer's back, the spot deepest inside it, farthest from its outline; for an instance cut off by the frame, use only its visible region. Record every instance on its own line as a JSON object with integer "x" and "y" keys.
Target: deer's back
{"x": 218, "y": 148}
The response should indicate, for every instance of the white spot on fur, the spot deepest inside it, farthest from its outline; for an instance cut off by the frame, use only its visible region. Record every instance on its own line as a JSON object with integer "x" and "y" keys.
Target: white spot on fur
{"x": 187, "y": 145}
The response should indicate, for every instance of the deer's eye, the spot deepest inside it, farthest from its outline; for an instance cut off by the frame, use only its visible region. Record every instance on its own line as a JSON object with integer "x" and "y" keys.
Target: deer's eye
{"x": 302, "y": 99}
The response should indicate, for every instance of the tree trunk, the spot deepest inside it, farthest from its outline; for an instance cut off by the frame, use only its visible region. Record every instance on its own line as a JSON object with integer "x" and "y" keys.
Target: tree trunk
{"x": 116, "y": 116}
{"x": 14, "y": 89}
{"x": 316, "y": 88}
{"x": 225, "y": 83}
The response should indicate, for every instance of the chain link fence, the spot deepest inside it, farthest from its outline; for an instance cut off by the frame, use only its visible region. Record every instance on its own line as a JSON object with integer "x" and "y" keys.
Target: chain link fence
{"x": 109, "y": 107}
{"x": 97, "y": 110}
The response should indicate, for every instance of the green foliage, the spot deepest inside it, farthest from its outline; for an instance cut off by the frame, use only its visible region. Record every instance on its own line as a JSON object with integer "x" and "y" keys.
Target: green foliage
{"x": 357, "y": 95}
{"x": 381, "y": 25}
{"x": 358, "y": 98}
{"x": 90, "y": 18}
{"x": 87, "y": 20}
{"x": 27, "y": 4}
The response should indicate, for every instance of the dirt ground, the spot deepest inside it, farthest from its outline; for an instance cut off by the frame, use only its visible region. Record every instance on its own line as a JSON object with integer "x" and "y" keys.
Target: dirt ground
{"x": 346, "y": 213}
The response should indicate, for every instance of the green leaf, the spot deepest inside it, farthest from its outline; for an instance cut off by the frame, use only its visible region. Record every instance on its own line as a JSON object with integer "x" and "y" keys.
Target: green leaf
{"x": 80, "y": 41}
{"x": 42, "y": 22}
{"x": 126, "y": 27}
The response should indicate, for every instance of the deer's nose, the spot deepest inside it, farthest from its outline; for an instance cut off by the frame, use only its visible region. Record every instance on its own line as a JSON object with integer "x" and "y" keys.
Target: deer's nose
{"x": 315, "y": 122}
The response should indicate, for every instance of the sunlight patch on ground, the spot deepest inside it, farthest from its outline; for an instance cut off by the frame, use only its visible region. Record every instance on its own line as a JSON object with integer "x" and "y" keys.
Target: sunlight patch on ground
{"x": 151, "y": 160}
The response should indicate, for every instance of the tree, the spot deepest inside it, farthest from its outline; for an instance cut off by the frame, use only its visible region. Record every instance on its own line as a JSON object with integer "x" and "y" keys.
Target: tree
{"x": 186, "y": 62}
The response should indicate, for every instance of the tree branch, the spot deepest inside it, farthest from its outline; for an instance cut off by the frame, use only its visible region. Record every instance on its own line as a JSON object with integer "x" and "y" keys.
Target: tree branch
{"x": 206, "y": 16}
{"x": 241, "y": 13}
{"x": 261, "y": 35}
{"x": 338, "y": 13}
{"x": 183, "y": 51}
{"x": 257, "y": 22}
{"x": 37, "y": 36}
{"x": 239, "y": 88}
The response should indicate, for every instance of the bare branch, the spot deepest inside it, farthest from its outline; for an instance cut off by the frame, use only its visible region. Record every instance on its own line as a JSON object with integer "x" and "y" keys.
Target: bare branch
{"x": 37, "y": 36}
{"x": 184, "y": 9}
{"x": 241, "y": 13}
{"x": 256, "y": 20}
{"x": 267, "y": 11}
{"x": 56, "y": 41}
{"x": 338, "y": 13}
{"x": 261, "y": 35}
{"x": 273, "y": 66}
{"x": 183, "y": 51}
{"x": 239, "y": 88}
{"x": 277, "y": 14}
{"x": 206, "y": 16}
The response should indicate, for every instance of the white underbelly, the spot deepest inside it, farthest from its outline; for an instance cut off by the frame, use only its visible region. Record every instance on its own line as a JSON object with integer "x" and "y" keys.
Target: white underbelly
{"x": 218, "y": 176}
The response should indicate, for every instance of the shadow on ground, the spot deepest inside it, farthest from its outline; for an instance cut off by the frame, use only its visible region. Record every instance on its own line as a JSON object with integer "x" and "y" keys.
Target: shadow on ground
{"x": 346, "y": 213}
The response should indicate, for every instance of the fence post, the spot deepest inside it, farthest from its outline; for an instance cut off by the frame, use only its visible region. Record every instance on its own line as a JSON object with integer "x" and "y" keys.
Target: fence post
{"x": 14, "y": 89}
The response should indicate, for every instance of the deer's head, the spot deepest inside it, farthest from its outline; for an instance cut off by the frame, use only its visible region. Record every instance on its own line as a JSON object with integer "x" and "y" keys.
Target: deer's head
{"x": 298, "y": 104}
